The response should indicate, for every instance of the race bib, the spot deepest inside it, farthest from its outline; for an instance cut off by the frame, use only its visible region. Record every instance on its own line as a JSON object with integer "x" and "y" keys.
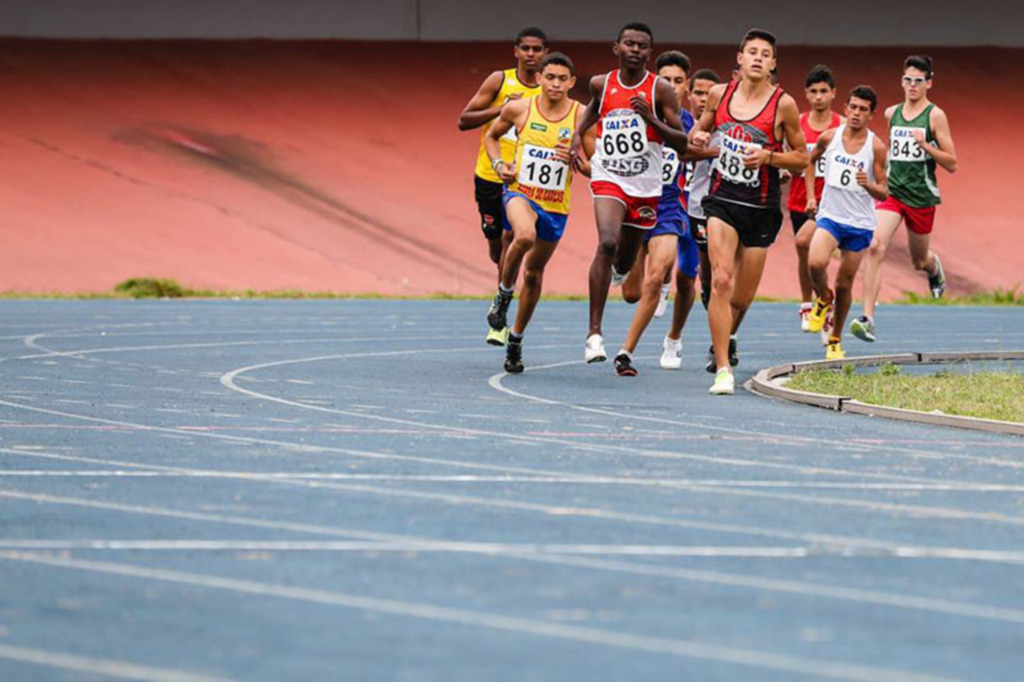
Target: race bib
{"x": 819, "y": 165}
{"x": 730, "y": 162}
{"x": 903, "y": 146}
{"x": 541, "y": 168}
{"x": 669, "y": 165}
{"x": 842, "y": 173}
{"x": 623, "y": 136}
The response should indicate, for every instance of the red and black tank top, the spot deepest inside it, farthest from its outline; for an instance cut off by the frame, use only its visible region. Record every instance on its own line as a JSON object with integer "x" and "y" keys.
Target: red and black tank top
{"x": 730, "y": 181}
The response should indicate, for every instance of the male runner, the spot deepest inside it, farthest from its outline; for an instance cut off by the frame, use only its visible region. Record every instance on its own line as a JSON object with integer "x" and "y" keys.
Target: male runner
{"x": 498, "y": 88}
{"x": 537, "y": 194}
{"x": 820, "y": 90}
{"x": 635, "y": 112}
{"x": 919, "y": 140}
{"x": 646, "y": 282}
{"x": 753, "y": 118}
{"x": 698, "y": 180}
{"x": 854, "y": 169}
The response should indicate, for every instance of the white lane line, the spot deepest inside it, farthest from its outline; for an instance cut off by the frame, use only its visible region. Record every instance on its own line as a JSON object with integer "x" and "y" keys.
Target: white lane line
{"x": 98, "y": 666}
{"x": 526, "y": 626}
{"x": 520, "y": 550}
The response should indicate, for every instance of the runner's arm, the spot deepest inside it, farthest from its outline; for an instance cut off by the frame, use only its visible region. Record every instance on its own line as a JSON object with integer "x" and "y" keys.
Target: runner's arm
{"x": 944, "y": 152}
{"x": 588, "y": 120}
{"x": 700, "y": 134}
{"x": 879, "y": 189}
{"x": 589, "y": 144}
{"x": 795, "y": 159}
{"x": 669, "y": 125}
{"x": 824, "y": 140}
{"x": 508, "y": 119}
{"x": 479, "y": 111}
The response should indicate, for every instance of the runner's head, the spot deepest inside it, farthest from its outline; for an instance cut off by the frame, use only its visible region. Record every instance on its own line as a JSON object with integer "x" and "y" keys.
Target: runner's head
{"x": 674, "y": 67}
{"x": 634, "y": 45}
{"x": 557, "y": 77}
{"x": 917, "y": 77}
{"x": 820, "y": 88}
{"x": 700, "y": 87}
{"x": 756, "y": 57}
{"x": 860, "y": 106}
{"x": 531, "y": 46}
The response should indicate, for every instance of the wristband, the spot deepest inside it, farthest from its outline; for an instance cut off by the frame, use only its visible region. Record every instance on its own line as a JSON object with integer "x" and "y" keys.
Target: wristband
{"x": 495, "y": 163}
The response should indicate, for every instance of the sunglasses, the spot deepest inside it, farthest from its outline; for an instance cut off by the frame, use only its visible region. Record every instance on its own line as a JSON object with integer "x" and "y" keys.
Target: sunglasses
{"x": 914, "y": 80}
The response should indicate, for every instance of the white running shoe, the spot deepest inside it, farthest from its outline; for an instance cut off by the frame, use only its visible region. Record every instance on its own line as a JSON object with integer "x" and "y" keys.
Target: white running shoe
{"x": 618, "y": 278}
{"x": 828, "y": 326}
{"x": 725, "y": 383}
{"x": 805, "y": 314}
{"x": 663, "y": 301}
{"x": 594, "y": 350}
{"x": 672, "y": 353}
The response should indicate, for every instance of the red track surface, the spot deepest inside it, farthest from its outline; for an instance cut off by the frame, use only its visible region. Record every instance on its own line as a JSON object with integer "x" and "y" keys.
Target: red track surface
{"x": 338, "y": 165}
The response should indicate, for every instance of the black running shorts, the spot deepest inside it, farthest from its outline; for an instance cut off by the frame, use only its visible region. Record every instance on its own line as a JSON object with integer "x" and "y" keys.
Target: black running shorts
{"x": 488, "y": 201}
{"x": 757, "y": 227}
{"x": 798, "y": 218}
{"x": 700, "y": 232}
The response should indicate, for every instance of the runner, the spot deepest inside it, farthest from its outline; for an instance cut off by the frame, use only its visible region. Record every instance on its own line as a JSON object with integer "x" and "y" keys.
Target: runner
{"x": 753, "y": 118}
{"x": 854, "y": 170}
{"x": 635, "y": 112}
{"x": 820, "y": 90}
{"x": 919, "y": 140}
{"x": 646, "y": 281}
{"x": 537, "y": 195}
{"x": 693, "y": 256}
{"x": 498, "y": 88}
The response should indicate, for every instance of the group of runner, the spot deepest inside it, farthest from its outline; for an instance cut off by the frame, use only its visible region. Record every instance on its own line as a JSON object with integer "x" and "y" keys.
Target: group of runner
{"x": 686, "y": 172}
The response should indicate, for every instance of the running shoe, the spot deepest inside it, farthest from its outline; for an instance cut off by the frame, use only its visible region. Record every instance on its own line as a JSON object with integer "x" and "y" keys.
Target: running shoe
{"x": 663, "y": 301}
{"x": 724, "y": 384}
{"x": 937, "y": 282}
{"x": 863, "y": 328}
{"x": 705, "y": 297}
{"x": 834, "y": 351}
{"x": 497, "y": 337}
{"x": 710, "y": 366}
{"x": 514, "y": 355}
{"x": 624, "y": 365}
{"x": 617, "y": 277}
{"x": 671, "y": 353}
{"x": 828, "y": 326}
{"x": 816, "y": 318}
{"x": 594, "y": 350}
{"x": 497, "y": 314}
{"x": 805, "y": 315}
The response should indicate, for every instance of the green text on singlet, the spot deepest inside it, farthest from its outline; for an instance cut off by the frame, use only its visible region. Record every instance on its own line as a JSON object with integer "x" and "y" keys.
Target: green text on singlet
{"x": 912, "y": 169}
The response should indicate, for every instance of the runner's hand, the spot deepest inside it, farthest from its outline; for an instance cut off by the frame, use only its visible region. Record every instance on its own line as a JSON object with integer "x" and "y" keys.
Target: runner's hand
{"x": 562, "y": 152}
{"x": 507, "y": 172}
{"x": 812, "y": 206}
{"x": 862, "y": 178}
{"x": 700, "y": 140}
{"x": 755, "y": 158}
{"x": 918, "y": 135}
{"x": 784, "y": 176}
{"x": 642, "y": 107}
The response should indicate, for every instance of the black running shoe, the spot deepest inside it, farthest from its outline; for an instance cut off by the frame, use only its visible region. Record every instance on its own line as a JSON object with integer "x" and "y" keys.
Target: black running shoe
{"x": 497, "y": 314}
{"x": 705, "y": 297}
{"x": 624, "y": 366}
{"x": 710, "y": 366}
{"x": 514, "y": 356}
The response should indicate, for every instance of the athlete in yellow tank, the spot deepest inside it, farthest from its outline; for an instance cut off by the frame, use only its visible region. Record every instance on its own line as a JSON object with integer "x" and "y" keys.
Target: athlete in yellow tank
{"x": 498, "y": 89}
{"x": 537, "y": 192}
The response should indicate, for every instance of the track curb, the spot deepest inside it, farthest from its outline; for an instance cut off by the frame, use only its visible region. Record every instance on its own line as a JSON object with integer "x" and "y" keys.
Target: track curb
{"x": 767, "y": 383}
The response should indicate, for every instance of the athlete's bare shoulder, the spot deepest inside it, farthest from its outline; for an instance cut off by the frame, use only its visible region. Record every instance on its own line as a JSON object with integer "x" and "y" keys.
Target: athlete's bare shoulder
{"x": 597, "y": 83}
{"x": 825, "y": 139}
{"x": 889, "y": 111}
{"x": 788, "y": 105}
{"x": 515, "y": 109}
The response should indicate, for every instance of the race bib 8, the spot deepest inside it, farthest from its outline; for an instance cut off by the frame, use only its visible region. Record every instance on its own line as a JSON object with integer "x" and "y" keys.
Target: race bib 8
{"x": 623, "y": 136}
{"x": 842, "y": 173}
{"x": 903, "y": 146}
{"x": 730, "y": 162}
{"x": 541, "y": 168}
{"x": 819, "y": 165}
{"x": 669, "y": 165}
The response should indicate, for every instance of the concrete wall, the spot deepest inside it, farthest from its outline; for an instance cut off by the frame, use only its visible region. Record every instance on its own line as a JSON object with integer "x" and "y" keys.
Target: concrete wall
{"x": 810, "y": 22}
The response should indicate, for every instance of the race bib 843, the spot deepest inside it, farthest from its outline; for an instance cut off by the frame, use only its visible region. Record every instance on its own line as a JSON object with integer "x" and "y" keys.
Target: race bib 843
{"x": 903, "y": 146}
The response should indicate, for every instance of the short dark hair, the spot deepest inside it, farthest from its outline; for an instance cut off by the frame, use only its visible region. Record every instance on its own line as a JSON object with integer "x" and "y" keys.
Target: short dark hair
{"x": 921, "y": 62}
{"x": 673, "y": 58}
{"x": 760, "y": 34}
{"x": 866, "y": 93}
{"x": 706, "y": 75}
{"x": 532, "y": 32}
{"x": 558, "y": 59}
{"x": 820, "y": 74}
{"x": 636, "y": 26}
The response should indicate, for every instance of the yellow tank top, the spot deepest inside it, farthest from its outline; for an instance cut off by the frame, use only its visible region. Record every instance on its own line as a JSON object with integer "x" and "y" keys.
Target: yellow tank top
{"x": 539, "y": 175}
{"x": 509, "y": 85}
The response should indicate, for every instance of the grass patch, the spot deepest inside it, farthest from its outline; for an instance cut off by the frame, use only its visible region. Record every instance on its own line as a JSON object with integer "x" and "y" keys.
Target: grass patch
{"x": 985, "y": 394}
{"x": 1001, "y": 297}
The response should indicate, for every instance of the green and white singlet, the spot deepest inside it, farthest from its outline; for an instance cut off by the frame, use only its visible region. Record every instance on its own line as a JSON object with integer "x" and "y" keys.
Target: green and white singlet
{"x": 911, "y": 170}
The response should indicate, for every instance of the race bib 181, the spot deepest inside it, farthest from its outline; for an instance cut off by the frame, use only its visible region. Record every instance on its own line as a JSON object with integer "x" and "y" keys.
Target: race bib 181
{"x": 541, "y": 168}
{"x": 623, "y": 136}
{"x": 903, "y": 146}
{"x": 730, "y": 162}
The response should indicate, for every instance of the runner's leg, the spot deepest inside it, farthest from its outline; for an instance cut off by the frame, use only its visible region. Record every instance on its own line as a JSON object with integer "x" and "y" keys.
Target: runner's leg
{"x": 533, "y": 279}
{"x": 887, "y": 224}
{"x": 523, "y": 219}
{"x": 844, "y": 289}
{"x": 609, "y": 214}
{"x": 723, "y": 247}
{"x": 662, "y": 255}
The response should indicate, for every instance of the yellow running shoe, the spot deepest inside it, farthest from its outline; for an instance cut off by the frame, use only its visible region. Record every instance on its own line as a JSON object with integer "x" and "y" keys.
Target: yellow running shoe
{"x": 724, "y": 384}
{"x": 817, "y": 316}
{"x": 497, "y": 337}
{"x": 834, "y": 351}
